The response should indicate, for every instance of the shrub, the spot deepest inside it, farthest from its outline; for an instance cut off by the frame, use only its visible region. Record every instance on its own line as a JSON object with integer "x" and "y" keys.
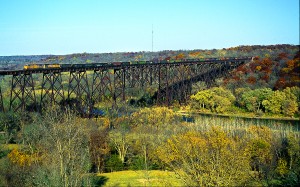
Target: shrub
{"x": 114, "y": 163}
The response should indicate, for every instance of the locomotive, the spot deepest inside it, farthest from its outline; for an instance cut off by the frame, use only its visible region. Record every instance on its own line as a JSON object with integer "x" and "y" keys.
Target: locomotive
{"x": 40, "y": 66}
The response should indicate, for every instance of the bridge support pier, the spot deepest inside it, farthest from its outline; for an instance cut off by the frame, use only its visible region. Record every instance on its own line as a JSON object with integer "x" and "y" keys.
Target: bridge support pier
{"x": 101, "y": 86}
{"x": 135, "y": 77}
{"x": 79, "y": 89}
{"x": 175, "y": 83}
{"x": 184, "y": 86}
{"x": 22, "y": 93}
{"x": 119, "y": 85}
{"x": 164, "y": 91}
{"x": 52, "y": 89}
{"x": 149, "y": 76}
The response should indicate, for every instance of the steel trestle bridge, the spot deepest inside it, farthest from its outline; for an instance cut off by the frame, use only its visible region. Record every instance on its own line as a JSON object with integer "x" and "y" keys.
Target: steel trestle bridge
{"x": 172, "y": 81}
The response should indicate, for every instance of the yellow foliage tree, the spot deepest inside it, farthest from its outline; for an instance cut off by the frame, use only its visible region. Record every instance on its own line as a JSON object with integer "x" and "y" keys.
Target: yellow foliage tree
{"x": 152, "y": 126}
{"x": 206, "y": 159}
{"x": 20, "y": 158}
{"x": 156, "y": 117}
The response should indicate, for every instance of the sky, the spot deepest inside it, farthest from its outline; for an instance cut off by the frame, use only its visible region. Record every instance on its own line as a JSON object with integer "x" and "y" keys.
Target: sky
{"x": 41, "y": 27}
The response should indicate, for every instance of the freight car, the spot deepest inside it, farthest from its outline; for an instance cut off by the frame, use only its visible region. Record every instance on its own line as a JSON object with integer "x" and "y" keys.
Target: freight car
{"x": 140, "y": 62}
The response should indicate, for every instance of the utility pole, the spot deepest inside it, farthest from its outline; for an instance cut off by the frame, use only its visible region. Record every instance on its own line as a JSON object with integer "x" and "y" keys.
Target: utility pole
{"x": 152, "y": 38}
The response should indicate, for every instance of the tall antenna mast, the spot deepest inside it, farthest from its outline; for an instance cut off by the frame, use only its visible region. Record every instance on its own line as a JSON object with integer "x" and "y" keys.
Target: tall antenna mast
{"x": 152, "y": 38}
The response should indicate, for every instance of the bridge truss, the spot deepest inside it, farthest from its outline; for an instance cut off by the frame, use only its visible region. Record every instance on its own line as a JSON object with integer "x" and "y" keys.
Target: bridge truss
{"x": 172, "y": 81}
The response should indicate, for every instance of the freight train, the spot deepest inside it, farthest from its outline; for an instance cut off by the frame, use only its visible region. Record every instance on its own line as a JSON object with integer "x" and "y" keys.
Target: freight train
{"x": 62, "y": 66}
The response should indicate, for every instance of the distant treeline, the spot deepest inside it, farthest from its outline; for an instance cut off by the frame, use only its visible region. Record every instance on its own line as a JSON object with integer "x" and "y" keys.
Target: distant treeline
{"x": 239, "y": 51}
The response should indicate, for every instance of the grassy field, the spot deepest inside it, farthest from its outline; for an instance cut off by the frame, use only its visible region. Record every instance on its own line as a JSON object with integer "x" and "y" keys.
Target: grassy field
{"x": 140, "y": 178}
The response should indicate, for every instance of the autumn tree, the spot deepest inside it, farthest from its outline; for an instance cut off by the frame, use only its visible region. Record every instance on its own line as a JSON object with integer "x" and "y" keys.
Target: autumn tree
{"x": 264, "y": 153}
{"x": 180, "y": 56}
{"x": 291, "y": 105}
{"x": 196, "y": 54}
{"x": 263, "y": 71}
{"x": 152, "y": 126}
{"x": 206, "y": 159}
{"x": 289, "y": 73}
{"x": 99, "y": 148}
{"x": 156, "y": 117}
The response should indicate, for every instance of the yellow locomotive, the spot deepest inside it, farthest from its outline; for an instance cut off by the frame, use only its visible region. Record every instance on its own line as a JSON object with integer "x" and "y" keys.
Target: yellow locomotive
{"x": 40, "y": 66}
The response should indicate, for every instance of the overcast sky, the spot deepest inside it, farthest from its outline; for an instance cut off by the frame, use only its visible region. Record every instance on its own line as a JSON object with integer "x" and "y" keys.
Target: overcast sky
{"x": 34, "y": 27}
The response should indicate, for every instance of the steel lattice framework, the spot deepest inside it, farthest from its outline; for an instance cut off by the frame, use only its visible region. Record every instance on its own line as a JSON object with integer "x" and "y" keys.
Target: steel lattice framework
{"x": 52, "y": 89}
{"x": 22, "y": 92}
{"x": 172, "y": 81}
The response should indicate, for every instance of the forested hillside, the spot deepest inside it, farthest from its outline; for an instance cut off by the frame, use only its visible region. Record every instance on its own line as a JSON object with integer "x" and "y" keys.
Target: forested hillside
{"x": 278, "y": 71}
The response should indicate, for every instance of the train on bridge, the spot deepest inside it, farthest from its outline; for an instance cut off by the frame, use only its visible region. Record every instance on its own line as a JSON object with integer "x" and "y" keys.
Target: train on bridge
{"x": 35, "y": 66}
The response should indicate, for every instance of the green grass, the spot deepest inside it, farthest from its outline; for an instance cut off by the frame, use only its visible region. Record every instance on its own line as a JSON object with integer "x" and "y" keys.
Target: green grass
{"x": 140, "y": 178}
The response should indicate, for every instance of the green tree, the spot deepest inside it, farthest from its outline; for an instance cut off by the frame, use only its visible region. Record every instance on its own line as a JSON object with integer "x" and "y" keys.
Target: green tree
{"x": 253, "y": 99}
{"x": 281, "y": 102}
{"x": 238, "y": 92}
{"x": 274, "y": 102}
{"x": 10, "y": 124}
{"x": 120, "y": 137}
{"x": 296, "y": 91}
{"x": 113, "y": 163}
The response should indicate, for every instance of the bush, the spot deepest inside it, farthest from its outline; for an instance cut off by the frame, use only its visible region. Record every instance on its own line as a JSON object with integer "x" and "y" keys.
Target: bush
{"x": 10, "y": 124}
{"x": 114, "y": 163}
{"x": 137, "y": 164}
